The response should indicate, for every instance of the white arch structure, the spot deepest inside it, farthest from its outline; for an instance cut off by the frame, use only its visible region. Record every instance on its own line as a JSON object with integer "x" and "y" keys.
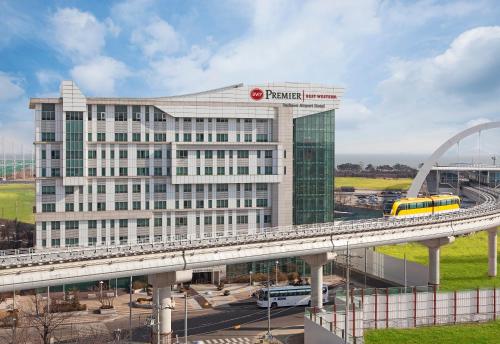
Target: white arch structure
{"x": 417, "y": 183}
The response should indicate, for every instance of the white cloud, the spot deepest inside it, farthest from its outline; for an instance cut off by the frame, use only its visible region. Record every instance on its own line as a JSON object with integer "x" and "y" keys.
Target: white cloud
{"x": 99, "y": 76}
{"x": 425, "y": 101}
{"x": 310, "y": 41}
{"x": 156, "y": 37}
{"x": 77, "y": 34}
{"x": 10, "y": 87}
{"x": 48, "y": 78}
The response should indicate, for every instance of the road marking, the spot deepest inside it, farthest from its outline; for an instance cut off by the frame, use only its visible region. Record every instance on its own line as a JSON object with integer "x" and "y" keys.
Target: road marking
{"x": 240, "y": 340}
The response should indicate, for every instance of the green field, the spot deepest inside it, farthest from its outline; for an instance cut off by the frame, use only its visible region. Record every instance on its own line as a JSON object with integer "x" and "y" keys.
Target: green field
{"x": 467, "y": 333}
{"x": 374, "y": 183}
{"x": 17, "y": 201}
{"x": 464, "y": 263}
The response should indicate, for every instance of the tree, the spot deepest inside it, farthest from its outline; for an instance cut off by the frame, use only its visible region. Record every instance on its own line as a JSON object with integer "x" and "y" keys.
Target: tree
{"x": 37, "y": 316}
{"x": 369, "y": 168}
{"x": 349, "y": 167}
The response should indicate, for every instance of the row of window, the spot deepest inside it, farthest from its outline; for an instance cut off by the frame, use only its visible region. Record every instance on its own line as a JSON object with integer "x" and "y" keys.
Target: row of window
{"x": 137, "y": 205}
{"x": 157, "y": 187}
{"x": 157, "y": 222}
{"x": 221, "y": 171}
{"x": 162, "y": 137}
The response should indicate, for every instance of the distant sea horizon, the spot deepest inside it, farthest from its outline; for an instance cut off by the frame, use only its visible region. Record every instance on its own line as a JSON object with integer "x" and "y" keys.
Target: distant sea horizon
{"x": 412, "y": 160}
{"x": 381, "y": 159}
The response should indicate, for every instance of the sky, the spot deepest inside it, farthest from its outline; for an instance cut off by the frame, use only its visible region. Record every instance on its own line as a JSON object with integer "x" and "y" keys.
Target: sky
{"x": 414, "y": 72}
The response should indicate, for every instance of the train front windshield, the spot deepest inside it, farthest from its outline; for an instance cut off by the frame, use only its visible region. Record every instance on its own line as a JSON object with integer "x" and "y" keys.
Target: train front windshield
{"x": 388, "y": 207}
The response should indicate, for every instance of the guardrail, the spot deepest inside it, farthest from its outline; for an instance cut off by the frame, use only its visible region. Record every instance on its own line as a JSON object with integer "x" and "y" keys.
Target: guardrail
{"x": 27, "y": 257}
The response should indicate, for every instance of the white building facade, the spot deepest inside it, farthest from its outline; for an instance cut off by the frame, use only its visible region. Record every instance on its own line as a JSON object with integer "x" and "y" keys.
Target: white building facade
{"x": 127, "y": 170}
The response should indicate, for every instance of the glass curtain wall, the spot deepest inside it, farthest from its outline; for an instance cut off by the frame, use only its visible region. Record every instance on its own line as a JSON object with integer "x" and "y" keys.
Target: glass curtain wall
{"x": 314, "y": 168}
{"x": 74, "y": 144}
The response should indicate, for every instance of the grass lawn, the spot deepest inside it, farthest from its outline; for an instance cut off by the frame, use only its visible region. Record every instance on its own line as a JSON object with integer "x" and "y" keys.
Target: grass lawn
{"x": 374, "y": 183}
{"x": 466, "y": 333}
{"x": 21, "y": 196}
{"x": 464, "y": 263}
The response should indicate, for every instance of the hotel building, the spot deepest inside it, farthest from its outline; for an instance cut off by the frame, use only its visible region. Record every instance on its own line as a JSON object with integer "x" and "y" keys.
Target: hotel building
{"x": 115, "y": 171}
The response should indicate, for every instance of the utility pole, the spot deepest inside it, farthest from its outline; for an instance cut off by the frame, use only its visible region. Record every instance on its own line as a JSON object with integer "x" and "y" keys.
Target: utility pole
{"x": 185, "y": 318}
{"x": 405, "y": 271}
{"x": 130, "y": 309}
{"x": 347, "y": 295}
{"x": 268, "y": 335}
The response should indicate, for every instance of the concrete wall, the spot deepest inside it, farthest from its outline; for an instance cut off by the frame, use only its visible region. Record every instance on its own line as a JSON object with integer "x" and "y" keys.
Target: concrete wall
{"x": 388, "y": 268}
{"x": 316, "y": 334}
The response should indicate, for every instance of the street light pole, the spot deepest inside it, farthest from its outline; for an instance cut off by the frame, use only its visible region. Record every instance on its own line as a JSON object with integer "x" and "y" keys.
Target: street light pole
{"x": 268, "y": 335}
{"x": 185, "y": 318}
{"x": 347, "y": 298}
{"x": 250, "y": 278}
{"x": 276, "y": 272}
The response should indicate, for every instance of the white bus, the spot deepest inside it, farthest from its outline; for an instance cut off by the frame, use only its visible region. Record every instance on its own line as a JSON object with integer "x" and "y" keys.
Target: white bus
{"x": 288, "y": 296}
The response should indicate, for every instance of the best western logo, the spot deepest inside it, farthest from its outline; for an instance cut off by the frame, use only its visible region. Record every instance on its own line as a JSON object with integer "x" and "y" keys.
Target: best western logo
{"x": 258, "y": 94}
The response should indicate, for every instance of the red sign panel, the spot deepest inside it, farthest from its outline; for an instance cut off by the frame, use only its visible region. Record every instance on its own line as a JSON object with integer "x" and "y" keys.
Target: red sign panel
{"x": 256, "y": 94}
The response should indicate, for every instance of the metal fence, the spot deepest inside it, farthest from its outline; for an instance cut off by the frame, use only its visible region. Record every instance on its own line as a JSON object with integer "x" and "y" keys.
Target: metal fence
{"x": 489, "y": 207}
{"x": 404, "y": 308}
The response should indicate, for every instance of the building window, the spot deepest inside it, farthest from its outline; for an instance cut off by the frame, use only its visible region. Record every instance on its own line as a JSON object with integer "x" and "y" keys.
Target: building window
{"x": 142, "y": 223}
{"x": 243, "y": 170}
{"x": 199, "y": 204}
{"x": 48, "y": 137}
{"x": 248, "y": 137}
{"x": 48, "y": 208}
{"x": 160, "y": 137}
{"x": 200, "y": 137}
{"x": 143, "y": 171}
{"x": 121, "y": 188}
{"x": 71, "y": 225}
{"x": 208, "y": 154}
{"x": 55, "y": 155}
{"x": 69, "y": 207}
{"x": 101, "y": 137}
{"x": 182, "y": 171}
{"x": 222, "y": 203}
{"x": 182, "y": 154}
{"x": 243, "y": 154}
{"x": 136, "y": 205}
{"x": 207, "y": 220}
{"x": 221, "y": 154}
{"x": 242, "y": 219}
{"x": 187, "y": 137}
{"x": 222, "y": 137}
{"x": 220, "y": 219}
{"x": 136, "y": 137}
{"x": 121, "y": 137}
{"x": 48, "y": 112}
{"x": 157, "y": 154}
{"x": 101, "y": 206}
{"x": 158, "y": 222}
{"x": 48, "y": 190}
{"x": 92, "y": 154}
{"x": 262, "y": 202}
{"x": 142, "y": 154}
{"x": 220, "y": 171}
{"x": 248, "y": 203}
{"x": 181, "y": 221}
{"x": 120, "y": 113}
{"x": 262, "y": 138}
{"x": 121, "y": 205}
{"x": 92, "y": 224}
{"x": 123, "y": 171}
{"x": 208, "y": 171}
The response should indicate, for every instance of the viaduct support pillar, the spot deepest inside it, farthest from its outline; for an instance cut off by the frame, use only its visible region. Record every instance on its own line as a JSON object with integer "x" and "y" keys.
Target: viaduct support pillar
{"x": 163, "y": 305}
{"x": 434, "y": 246}
{"x": 316, "y": 263}
{"x": 492, "y": 252}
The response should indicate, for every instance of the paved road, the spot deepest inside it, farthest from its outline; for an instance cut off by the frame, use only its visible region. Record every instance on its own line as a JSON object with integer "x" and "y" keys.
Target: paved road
{"x": 239, "y": 321}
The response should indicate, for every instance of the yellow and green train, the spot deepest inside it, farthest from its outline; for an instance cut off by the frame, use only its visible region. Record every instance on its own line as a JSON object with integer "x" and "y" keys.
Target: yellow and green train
{"x": 423, "y": 205}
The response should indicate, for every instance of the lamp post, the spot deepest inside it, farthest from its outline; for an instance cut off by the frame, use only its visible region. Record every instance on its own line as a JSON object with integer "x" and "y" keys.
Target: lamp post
{"x": 268, "y": 335}
{"x": 100, "y": 288}
{"x": 276, "y": 271}
{"x": 250, "y": 277}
